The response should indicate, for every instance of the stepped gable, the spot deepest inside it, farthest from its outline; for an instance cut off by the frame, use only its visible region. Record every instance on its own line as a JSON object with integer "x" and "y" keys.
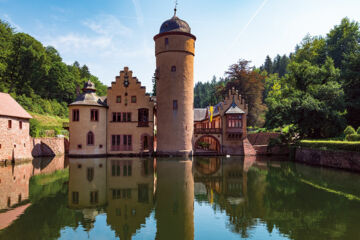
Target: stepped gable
{"x": 133, "y": 83}
{"x": 9, "y": 107}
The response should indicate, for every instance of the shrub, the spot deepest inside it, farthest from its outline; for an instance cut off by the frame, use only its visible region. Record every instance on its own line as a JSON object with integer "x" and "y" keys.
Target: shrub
{"x": 331, "y": 145}
{"x": 34, "y": 127}
{"x": 349, "y": 130}
{"x": 358, "y": 130}
{"x": 352, "y": 137}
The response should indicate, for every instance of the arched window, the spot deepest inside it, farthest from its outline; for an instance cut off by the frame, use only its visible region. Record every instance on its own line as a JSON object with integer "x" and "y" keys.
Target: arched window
{"x": 90, "y": 138}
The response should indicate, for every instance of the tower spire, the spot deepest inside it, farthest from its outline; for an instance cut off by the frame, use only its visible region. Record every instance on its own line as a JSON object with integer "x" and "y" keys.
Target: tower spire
{"x": 176, "y": 3}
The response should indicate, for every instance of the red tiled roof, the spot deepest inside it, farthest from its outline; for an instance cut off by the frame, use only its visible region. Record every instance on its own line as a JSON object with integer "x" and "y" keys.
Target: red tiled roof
{"x": 9, "y": 107}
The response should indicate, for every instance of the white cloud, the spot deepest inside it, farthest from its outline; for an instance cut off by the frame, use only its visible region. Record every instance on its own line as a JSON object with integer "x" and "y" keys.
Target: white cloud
{"x": 139, "y": 15}
{"x": 107, "y": 25}
{"x": 106, "y": 45}
{"x": 14, "y": 25}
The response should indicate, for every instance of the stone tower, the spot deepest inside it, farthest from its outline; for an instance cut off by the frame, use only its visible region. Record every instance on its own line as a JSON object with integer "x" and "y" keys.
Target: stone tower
{"x": 175, "y": 50}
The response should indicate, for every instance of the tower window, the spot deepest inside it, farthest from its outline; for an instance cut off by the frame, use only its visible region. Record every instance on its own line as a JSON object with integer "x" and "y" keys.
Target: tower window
{"x": 76, "y": 115}
{"x": 9, "y": 124}
{"x": 166, "y": 42}
{"x": 133, "y": 99}
{"x": 173, "y": 68}
{"x": 20, "y": 124}
{"x": 118, "y": 99}
{"x": 94, "y": 115}
{"x": 175, "y": 105}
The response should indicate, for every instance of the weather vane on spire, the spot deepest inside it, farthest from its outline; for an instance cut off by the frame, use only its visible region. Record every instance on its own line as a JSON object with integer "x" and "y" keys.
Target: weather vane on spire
{"x": 176, "y": 3}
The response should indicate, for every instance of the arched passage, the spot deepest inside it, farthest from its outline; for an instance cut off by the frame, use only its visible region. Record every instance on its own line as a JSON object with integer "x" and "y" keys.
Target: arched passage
{"x": 207, "y": 144}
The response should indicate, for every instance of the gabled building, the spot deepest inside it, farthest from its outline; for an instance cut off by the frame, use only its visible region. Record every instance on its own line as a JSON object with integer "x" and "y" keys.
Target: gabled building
{"x": 121, "y": 123}
{"x": 224, "y": 130}
{"x": 15, "y": 142}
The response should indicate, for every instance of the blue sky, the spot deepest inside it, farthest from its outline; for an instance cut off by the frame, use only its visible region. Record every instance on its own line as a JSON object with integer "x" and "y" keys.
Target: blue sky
{"x": 107, "y": 35}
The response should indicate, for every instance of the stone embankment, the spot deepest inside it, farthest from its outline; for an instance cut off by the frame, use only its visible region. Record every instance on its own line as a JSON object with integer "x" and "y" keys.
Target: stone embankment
{"x": 36, "y": 147}
{"x": 329, "y": 158}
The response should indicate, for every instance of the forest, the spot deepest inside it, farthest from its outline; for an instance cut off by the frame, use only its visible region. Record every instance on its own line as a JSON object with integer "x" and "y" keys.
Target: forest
{"x": 315, "y": 89}
{"x": 36, "y": 76}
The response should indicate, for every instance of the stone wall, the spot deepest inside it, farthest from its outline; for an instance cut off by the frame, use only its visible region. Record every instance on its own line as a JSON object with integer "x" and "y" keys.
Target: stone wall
{"x": 46, "y": 147}
{"x": 261, "y": 138}
{"x": 14, "y": 141}
{"x": 327, "y": 158}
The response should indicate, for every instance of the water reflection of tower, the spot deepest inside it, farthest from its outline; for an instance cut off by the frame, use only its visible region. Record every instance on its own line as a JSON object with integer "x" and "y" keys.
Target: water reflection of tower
{"x": 130, "y": 193}
{"x": 175, "y": 200}
{"x": 87, "y": 187}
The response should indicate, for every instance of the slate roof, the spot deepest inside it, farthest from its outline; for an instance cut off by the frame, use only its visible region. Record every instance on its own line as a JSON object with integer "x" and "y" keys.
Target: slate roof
{"x": 234, "y": 109}
{"x": 199, "y": 114}
{"x": 9, "y": 107}
{"x": 89, "y": 99}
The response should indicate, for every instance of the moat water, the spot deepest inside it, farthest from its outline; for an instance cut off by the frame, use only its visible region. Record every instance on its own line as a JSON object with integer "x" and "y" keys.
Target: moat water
{"x": 206, "y": 198}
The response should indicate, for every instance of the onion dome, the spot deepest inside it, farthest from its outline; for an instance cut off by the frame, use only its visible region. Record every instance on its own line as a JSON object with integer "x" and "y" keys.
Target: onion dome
{"x": 175, "y": 24}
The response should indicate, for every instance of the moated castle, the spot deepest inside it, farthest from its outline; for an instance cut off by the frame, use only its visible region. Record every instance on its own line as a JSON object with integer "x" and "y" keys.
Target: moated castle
{"x": 130, "y": 122}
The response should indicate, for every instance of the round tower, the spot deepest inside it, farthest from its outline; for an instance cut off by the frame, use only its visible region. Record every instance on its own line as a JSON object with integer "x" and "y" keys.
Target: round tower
{"x": 175, "y": 51}
{"x": 87, "y": 123}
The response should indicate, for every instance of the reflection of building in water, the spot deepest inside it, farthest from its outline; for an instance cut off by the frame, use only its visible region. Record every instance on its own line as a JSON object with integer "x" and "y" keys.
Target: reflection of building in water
{"x": 87, "y": 182}
{"x": 87, "y": 187}
{"x": 225, "y": 177}
{"x": 226, "y": 186}
{"x": 14, "y": 179}
{"x": 130, "y": 194}
{"x": 175, "y": 200}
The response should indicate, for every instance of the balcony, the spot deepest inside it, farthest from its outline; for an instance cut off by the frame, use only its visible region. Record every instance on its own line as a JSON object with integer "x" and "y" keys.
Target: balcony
{"x": 207, "y": 130}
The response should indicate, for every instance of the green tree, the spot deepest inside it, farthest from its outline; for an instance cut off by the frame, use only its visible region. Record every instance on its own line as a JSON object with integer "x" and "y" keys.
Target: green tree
{"x": 310, "y": 97}
{"x": 342, "y": 40}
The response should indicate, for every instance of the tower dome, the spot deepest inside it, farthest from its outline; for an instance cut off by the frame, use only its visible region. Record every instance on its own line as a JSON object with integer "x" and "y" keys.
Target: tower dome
{"x": 175, "y": 24}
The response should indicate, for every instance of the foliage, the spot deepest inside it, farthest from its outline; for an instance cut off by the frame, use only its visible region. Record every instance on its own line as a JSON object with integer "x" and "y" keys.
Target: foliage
{"x": 289, "y": 136}
{"x": 250, "y": 83}
{"x": 278, "y": 66}
{"x": 321, "y": 88}
{"x": 153, "y": 79}
{"x": 36, "y": 75}
{"x": 41, "y": 125}
{"x": 205, "y": 93}
{"x": 331, "y": 145}
{"x": 349, "y": 130}
{"x": 203, "y": 145}
{"x": 309, "y": 97}
{"x": 358, "y": 130}
{"x": 34, "y": 127}
{"x": 353, "y": 137}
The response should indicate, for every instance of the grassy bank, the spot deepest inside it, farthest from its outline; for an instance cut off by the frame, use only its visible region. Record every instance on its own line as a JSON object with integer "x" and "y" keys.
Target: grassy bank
{"x": 46, "y": 125}
{"x": 331, "y": 145}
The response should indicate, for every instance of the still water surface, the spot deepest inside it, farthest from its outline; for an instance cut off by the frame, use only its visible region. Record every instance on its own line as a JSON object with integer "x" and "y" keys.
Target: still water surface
{"x": 207, "y": 198}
